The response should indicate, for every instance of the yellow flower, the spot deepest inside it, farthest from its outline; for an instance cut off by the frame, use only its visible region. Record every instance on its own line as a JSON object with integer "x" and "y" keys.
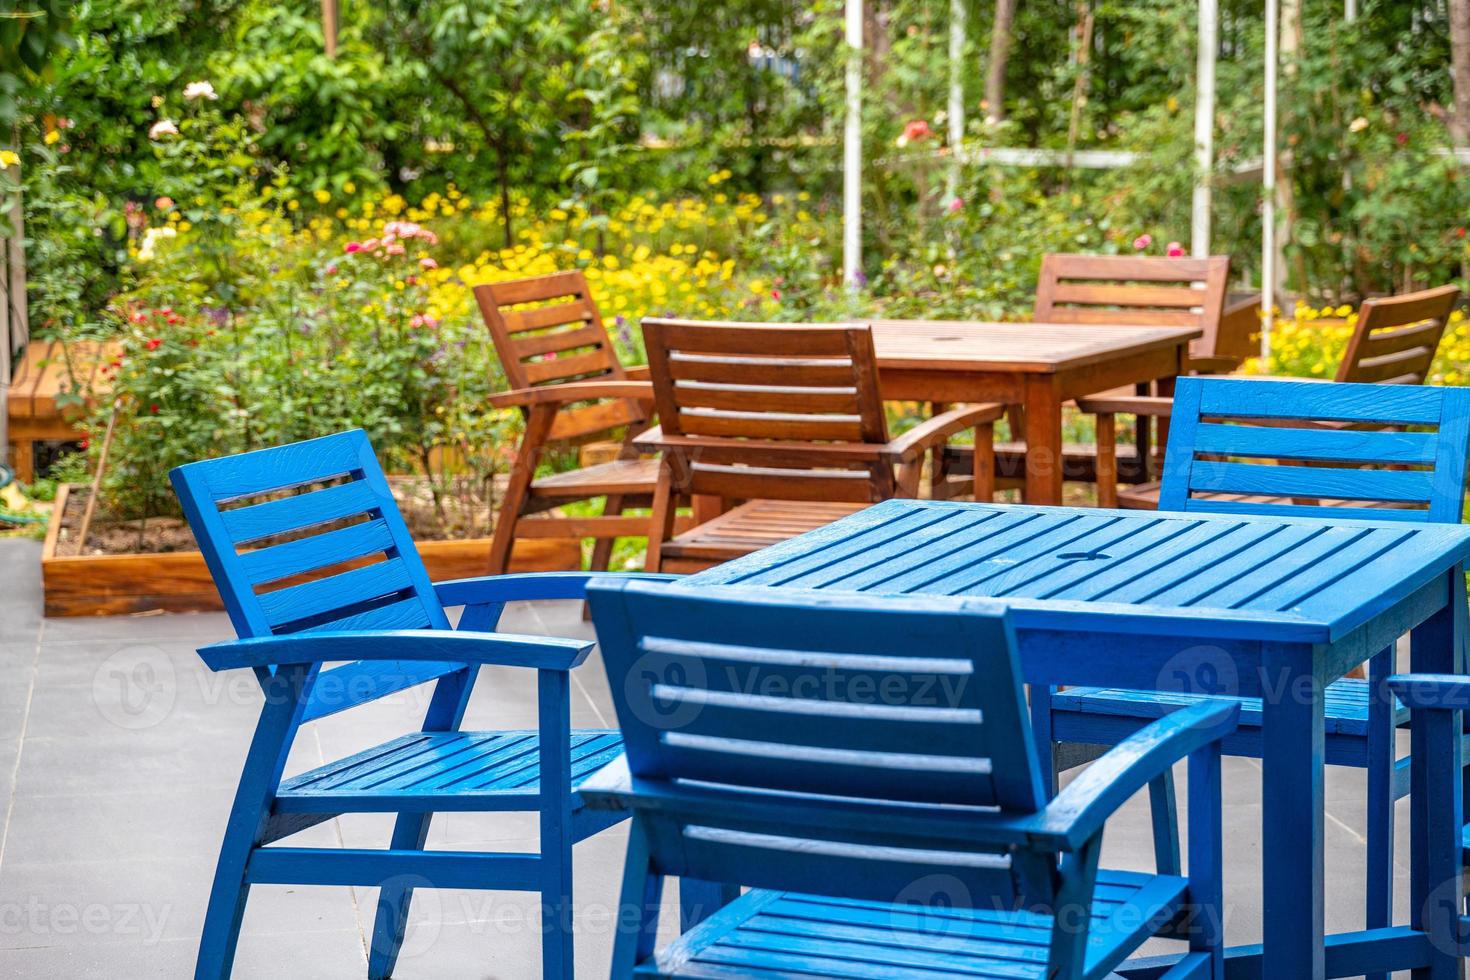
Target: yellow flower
{"x": 349, "y": 188}
{"x": 52, "y": 137}
{"x": 322, "y": 196}
{"x": 9, "y": 158}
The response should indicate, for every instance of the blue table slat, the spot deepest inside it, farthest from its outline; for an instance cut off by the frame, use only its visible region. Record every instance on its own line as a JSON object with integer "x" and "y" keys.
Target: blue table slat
{"x": 1325, "y": 574}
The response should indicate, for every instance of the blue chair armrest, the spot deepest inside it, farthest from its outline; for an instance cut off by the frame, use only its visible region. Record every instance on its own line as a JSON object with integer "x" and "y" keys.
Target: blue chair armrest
{"x": 1445, "y": 692}
{"x": 523, "y": 587}
{"x": 501, "y": 649}
{"x": 1080, "y": 809}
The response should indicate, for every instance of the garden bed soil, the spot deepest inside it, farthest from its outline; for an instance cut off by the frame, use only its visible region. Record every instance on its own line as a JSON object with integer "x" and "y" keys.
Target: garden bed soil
{"x": 116, "y": 576}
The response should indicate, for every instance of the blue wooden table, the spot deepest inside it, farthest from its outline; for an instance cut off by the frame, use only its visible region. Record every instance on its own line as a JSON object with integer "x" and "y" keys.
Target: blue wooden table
{"x": 1268, "y": 607}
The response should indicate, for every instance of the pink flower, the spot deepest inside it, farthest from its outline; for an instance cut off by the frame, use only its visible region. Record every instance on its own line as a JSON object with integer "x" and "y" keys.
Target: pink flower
{"x": 428, "y": 264}
{"x": 395, "y": 248}
{"x": 776, "y": 295}
{"x": 200, "y": 90}
{"x": 1143, "y": 241}
{"x": 332, "y": 269}
{"x": 164, "y": 203}
{"x": 916, "y": 130}
{"x": 1174, "y": 250}
{"x": 417, "y": 320}
{"x": 351, "y": 247}
{"x": 956, "y": 204}
{"x": 164, "y": 127}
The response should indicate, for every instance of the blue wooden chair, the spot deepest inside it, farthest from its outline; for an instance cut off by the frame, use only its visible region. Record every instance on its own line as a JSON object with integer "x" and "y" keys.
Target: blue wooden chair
{"x": 1371, "y": 452}
{"x": 1437, "y": 703}
{"x": 867, "y": 768}
{"x": 330, "y": 574}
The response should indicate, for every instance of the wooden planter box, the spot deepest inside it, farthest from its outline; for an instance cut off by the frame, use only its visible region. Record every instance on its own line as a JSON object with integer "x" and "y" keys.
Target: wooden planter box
{"x": 178, "y": 581}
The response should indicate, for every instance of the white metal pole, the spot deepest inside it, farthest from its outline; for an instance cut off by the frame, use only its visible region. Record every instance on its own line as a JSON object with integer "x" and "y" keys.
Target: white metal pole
{"x": 852, "y": 151}
{"x": 1350, "y": 10}
{"x": 958, "y": 14}
{"x": 1204, "y": 127}
{"x": 1268, "y": 188}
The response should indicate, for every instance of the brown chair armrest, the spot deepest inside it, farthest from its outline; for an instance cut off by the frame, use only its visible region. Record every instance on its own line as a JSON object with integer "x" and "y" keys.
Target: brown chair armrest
{"x": 638, "y": 372}
{"x": 937, "y": 430}
{"x": 573, "y": 391}
{"x": 1213, "y": 364}
{"x": 1155, "y": 405}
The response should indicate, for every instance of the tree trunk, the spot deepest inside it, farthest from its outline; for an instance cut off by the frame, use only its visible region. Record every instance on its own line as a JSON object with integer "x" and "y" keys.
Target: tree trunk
{"x": 1000, "y": 54}
{"x": 1460, "y": 69}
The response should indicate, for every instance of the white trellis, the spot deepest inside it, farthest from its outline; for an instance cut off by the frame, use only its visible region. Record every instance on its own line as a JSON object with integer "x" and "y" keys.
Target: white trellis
{"x": 1204, "y": 122}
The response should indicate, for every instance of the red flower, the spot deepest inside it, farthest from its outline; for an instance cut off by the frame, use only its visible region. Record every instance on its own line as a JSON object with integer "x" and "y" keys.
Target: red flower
{"x": 775, "y": 294}
{"x": 84, "y": 443}
{"x": 1402, "y": 138}
{"x": 1460, "y": 232}
{"x": 153, "y": 409}
{"x": 916, "y": 130}
{"x": 154, "y": 344}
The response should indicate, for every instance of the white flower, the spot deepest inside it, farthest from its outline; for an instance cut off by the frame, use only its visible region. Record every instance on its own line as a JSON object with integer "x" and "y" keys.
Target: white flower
{"x": 1358, "y": 125}
{"x": 164, "y": 127}
{"x": 150, "y": 241}
{"x": 200, "y": 90}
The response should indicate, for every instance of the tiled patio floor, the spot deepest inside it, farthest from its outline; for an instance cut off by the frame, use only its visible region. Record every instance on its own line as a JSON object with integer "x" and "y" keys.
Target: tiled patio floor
{"x": 118, "y": 759}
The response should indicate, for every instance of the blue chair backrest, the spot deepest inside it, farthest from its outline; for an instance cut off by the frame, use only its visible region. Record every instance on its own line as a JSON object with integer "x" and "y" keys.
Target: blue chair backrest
{"x": 1393, "y": 444}
{"x": 775, "y": 711}
{"x": 308, "y": 537}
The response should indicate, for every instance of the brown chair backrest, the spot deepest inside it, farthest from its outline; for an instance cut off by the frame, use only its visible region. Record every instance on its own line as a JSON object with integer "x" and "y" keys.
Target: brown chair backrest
{"x": 775, "y": 410}
{"x": 1396, "y": 337}
{"x": 547, "y": 331}
{"x": 1135, "y": 291}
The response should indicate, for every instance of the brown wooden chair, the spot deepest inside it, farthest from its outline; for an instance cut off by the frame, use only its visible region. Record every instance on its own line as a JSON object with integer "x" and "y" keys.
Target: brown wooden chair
{"x": 566, "y": 378}
{"x": 1393, "y": 342}
{"x": 1121, "y": 290}
{"x": 785, "y": 426}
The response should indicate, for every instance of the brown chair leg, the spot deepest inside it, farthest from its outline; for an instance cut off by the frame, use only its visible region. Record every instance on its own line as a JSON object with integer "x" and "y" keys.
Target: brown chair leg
{"x": 25, "y": 461}
{"x": 938, "y": 465}
{"x": 661, "y": 522}
{"x": 523, "y": 471}
{"x": 985, "y": 463}
{"x": 1107, "y": 459}
{"x": 602, "y": 550}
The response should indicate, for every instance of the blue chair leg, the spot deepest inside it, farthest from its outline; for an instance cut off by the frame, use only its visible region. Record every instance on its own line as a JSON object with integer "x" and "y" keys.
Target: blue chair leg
{"x": 637, "y": 914}
{"x": 226, "y": 907}
{"x": 1382, "y": 754}
{"x": 246, "y": 827}
{"x": 1046, "y": 749}
{"x": 554, "y": 707}
{"x": 1164, "y": 811}
{"x": 410, "y": 832}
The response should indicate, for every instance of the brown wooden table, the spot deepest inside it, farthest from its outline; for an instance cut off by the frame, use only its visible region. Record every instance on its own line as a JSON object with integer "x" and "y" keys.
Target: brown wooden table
{"x": 1039, "y": 366}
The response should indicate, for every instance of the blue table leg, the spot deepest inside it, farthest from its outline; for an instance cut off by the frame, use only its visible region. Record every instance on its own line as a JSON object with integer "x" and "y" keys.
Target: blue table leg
{"x": 1292, "y": 814}
{"x": 1434, "y": 648}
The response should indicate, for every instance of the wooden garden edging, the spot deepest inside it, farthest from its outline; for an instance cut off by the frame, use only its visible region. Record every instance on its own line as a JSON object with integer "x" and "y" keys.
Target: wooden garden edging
{"x": 177, "y": 581}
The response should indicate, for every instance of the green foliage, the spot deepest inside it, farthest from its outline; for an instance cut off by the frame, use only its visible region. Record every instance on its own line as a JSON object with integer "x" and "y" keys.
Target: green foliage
{"x": 32, "y": 32}
{"x": 286, "y": 342}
